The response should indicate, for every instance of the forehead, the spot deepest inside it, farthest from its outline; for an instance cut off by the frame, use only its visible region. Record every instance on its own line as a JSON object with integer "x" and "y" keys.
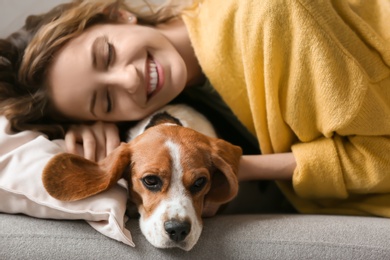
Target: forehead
{"x": 66, "y": 66}
{"x": 155, "y": 144}
{"x": 75, "y": 51}
{"x": 69, "y": 72}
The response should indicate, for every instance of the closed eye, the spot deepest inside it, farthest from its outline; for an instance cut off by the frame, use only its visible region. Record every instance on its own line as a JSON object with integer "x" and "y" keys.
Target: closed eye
{"x": 109, "y": 103}
{"x": 110, "y": 54}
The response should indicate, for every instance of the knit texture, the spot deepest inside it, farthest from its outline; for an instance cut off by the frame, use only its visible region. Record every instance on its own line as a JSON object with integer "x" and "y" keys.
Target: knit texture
{"x": 311, "y": 77}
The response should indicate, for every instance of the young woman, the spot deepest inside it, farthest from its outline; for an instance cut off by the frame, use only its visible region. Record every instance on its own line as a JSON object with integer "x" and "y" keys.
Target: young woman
{"x": 310, "y": 79}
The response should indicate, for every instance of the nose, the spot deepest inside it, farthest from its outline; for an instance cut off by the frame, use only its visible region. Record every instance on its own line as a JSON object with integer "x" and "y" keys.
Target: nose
{"x": 126, "y": 77}
{"x": 177, "y": 230}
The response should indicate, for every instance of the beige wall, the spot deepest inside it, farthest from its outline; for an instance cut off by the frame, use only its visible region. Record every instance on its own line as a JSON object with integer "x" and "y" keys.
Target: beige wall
{"x": 14, "y": 12}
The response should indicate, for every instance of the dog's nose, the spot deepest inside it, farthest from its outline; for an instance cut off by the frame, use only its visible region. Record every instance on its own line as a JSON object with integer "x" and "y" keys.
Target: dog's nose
{"x": 177, "y": 230}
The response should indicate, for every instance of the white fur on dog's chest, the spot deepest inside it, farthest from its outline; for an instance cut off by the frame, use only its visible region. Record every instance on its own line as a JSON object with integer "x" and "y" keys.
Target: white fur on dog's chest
{"x": 188, "y": 116}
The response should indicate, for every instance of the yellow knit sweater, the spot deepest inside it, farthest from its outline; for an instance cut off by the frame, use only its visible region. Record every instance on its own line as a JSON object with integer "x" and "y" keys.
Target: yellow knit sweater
{"x": 311, "y": 77}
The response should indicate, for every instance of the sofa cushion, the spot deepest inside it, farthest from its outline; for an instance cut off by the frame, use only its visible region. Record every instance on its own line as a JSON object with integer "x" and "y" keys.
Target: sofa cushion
{"x": 255, "y": 236}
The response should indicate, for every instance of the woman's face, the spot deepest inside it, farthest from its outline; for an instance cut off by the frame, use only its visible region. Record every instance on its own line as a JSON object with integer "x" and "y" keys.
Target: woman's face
{"x": 116, "y": 72}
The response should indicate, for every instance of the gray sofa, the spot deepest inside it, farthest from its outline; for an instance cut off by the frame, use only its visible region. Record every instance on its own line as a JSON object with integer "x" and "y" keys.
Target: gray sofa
{"x": 241, "y": 231}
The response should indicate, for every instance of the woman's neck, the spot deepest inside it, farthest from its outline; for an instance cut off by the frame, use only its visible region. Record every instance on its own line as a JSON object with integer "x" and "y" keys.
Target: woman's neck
{"x": 176, "y": 32}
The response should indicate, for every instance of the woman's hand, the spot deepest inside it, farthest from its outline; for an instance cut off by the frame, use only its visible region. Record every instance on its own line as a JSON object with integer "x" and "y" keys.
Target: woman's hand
{"x": 97, "y": 140}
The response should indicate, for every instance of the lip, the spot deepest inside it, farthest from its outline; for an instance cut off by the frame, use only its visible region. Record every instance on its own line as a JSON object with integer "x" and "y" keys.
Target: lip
{"x": 160, "y": 73}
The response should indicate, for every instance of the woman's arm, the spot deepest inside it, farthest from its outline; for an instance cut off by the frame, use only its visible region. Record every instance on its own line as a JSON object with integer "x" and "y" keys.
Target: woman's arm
{"x": 279, "y": 166}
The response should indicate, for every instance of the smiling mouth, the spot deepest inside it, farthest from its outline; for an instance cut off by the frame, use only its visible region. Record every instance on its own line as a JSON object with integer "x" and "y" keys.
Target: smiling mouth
{"x": 153, "y": 77}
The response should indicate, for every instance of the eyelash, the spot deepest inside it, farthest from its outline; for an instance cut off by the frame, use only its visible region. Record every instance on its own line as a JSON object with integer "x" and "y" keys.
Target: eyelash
{"x": 109, "y": 105}
{"x": 110, "y": 51}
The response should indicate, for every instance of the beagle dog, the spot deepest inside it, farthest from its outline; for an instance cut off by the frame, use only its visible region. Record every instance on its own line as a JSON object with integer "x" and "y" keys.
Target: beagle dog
{"x": 173, "y": 164}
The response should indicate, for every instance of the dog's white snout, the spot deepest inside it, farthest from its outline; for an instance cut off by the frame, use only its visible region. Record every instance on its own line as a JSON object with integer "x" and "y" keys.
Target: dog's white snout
{"x": 177, "y": 230}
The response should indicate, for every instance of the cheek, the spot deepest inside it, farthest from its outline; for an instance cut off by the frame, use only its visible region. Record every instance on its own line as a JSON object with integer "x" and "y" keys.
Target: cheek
{"x": 145, "y": 200}
{"x": 123, "y": 104}
{"x": 198, "y": 201}
{"x": 198, "y": 206}
{"x": 174, "y": 70}
{"x": 150, "y": 202}
{"x": 178, "y": 74}
{"x": 177, "y": 79}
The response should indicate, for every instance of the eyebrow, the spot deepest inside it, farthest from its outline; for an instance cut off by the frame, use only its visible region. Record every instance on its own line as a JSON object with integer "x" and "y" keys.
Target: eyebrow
{"x": 92, "y": 103}
{"x": 97, "y": 44}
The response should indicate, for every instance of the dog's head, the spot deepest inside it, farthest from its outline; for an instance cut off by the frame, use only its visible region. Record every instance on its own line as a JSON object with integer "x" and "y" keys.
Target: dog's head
{"x": 171, "y": 171}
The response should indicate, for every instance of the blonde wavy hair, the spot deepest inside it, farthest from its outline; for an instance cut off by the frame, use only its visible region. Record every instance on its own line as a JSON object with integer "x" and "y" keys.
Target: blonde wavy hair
{"x": 27, "y": 105}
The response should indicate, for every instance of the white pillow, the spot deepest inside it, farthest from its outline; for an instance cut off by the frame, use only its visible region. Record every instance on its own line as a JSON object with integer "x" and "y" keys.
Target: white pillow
{"x": 22, "y": 159}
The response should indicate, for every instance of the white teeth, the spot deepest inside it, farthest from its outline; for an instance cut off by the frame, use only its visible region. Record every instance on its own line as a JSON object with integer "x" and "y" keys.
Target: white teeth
{"x": 153, "y": 76}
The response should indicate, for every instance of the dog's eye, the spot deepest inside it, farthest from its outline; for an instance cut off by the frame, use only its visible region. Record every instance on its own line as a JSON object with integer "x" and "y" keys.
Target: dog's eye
{"x": 152, "y": 183}
{"x": 198, "y": 185}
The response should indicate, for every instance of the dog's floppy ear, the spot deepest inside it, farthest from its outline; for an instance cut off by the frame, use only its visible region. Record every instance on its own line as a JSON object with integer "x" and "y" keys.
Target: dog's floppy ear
{"x": 70, "y": 177}
{"x": 224, "y": 182}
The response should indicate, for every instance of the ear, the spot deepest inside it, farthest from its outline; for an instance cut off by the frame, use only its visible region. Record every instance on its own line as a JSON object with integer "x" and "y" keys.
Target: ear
{"x": 70, "y": 177}
{"x": 118, "y": 14}
{"x": 127, "y": 17}
{"x": 162, "y": 118}
{"x": 224, "y": 182}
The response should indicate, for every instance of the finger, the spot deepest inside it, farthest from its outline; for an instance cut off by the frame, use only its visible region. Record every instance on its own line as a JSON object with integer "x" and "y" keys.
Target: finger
{"x": 89, "y": 144}
{"x": 112, "y": 138}
{"x": 100, "y": 138}
{"x": 71, "y": 142}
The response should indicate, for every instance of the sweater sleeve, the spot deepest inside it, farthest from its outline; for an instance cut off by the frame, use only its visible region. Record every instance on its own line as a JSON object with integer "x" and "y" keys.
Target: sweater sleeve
{"x": 339, "y": 167}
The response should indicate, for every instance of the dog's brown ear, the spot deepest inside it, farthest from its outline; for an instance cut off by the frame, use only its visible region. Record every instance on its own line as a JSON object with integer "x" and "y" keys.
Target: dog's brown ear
{"x": 224, "y": 182}
{"x": 70, "y": 177}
